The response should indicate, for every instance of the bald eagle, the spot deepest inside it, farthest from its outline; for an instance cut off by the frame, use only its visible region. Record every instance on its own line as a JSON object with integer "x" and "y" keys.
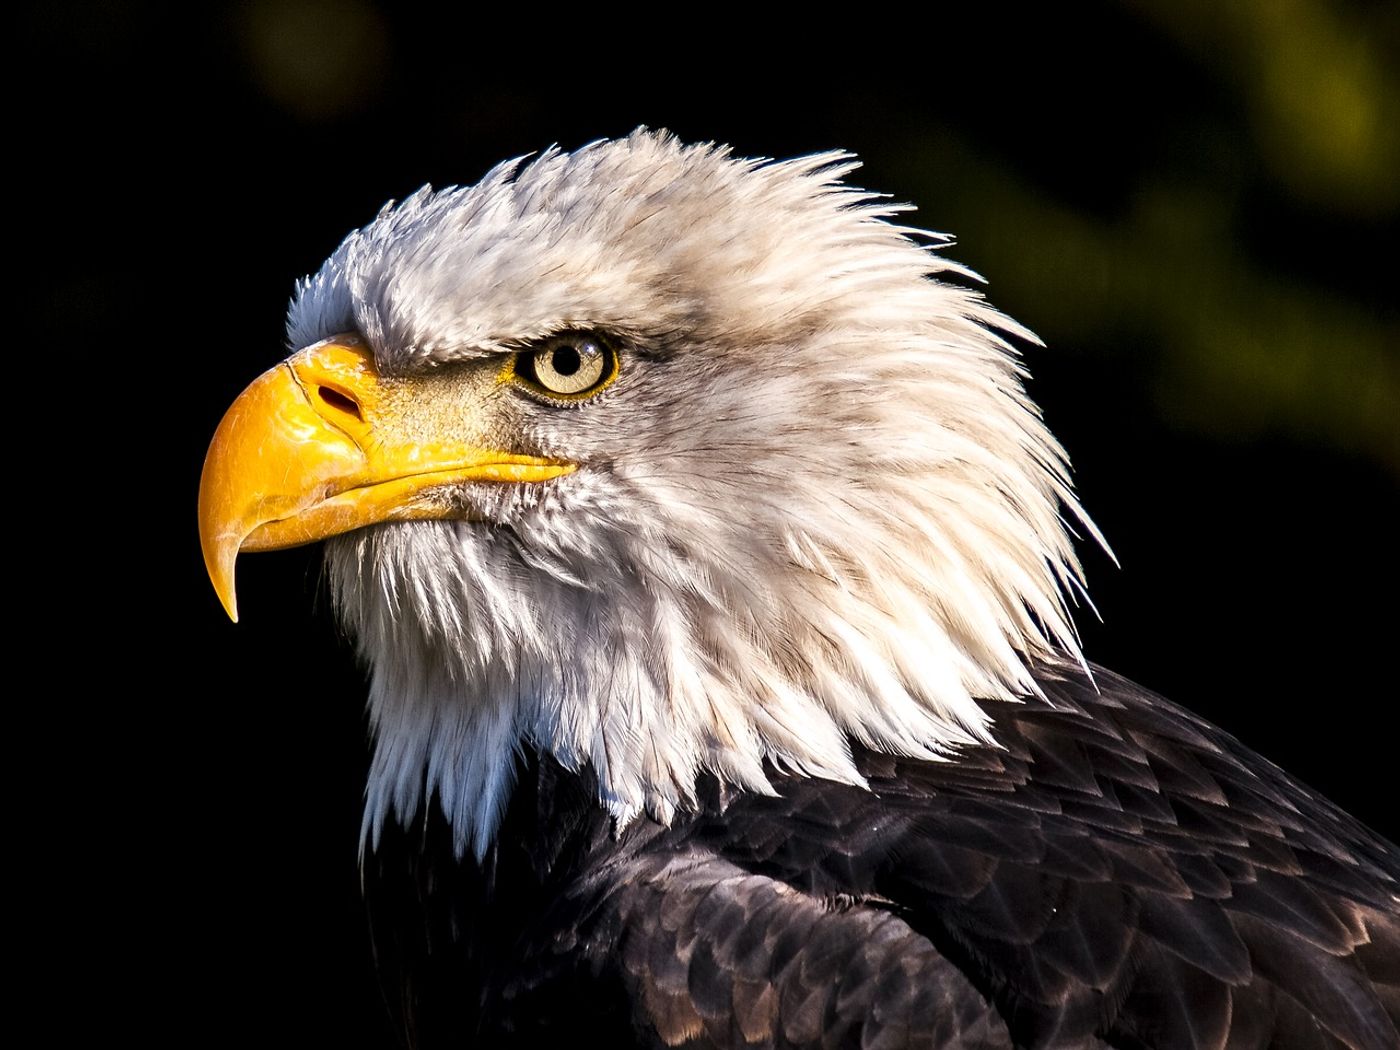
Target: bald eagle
{"x": 713, "y": 570}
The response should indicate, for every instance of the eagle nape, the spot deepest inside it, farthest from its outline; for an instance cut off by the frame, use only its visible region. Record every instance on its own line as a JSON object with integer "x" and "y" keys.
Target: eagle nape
{"x": 712, "y": 567}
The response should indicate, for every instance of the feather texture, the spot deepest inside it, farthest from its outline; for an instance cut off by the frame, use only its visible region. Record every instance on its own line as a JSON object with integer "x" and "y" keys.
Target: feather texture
{"x": 816, "y": 507}
{"x": 1173, "y": 891}
{"x": 767, "y": 726}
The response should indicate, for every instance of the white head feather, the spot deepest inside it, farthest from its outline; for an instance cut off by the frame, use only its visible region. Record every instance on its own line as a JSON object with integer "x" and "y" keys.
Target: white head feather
{"x": 816, "y": 507}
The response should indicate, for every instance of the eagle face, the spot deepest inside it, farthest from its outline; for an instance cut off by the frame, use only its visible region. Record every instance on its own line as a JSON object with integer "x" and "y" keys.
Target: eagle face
{"x": 661, "y": 462}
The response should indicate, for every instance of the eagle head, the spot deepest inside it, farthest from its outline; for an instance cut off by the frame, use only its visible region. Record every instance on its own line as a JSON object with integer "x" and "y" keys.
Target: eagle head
{"x": 659, "y": 461}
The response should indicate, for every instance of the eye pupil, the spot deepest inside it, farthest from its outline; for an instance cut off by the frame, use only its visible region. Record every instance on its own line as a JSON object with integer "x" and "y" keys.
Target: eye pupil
{"x": 567, "y": 360}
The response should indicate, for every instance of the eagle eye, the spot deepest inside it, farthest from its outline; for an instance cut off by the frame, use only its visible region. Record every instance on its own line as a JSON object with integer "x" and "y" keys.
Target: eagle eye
{"x": 570, "y": 366}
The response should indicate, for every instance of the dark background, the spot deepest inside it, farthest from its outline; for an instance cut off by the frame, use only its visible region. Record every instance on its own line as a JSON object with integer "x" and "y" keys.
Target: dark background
{"x": 1195, "y": 206}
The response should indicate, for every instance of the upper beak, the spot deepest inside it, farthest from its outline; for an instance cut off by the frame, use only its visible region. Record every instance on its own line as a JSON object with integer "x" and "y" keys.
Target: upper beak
{"x": 303, "y": 454}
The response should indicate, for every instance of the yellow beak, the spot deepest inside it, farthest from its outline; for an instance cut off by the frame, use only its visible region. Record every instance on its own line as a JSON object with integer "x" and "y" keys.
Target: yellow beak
{"x": 298, "y": 457}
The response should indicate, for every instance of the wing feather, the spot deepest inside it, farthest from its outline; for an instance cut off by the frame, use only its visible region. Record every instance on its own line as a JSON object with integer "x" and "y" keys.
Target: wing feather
{"x": 1115, "y": 872}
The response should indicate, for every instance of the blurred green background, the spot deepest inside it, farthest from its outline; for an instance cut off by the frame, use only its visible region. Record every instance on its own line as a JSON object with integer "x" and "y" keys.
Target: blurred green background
{"x": 1194, "y": 204}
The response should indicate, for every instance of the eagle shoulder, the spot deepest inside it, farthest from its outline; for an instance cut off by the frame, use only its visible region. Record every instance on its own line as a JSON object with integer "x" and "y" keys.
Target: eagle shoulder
{"x": 1114, "y": 872}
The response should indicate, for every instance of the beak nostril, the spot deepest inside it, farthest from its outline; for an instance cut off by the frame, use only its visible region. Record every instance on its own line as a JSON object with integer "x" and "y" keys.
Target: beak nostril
{"x": 341, "y": 402}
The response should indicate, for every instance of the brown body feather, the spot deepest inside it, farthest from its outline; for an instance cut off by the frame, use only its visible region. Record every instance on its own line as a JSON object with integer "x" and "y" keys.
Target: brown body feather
{"x": 1118, "y": 873}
